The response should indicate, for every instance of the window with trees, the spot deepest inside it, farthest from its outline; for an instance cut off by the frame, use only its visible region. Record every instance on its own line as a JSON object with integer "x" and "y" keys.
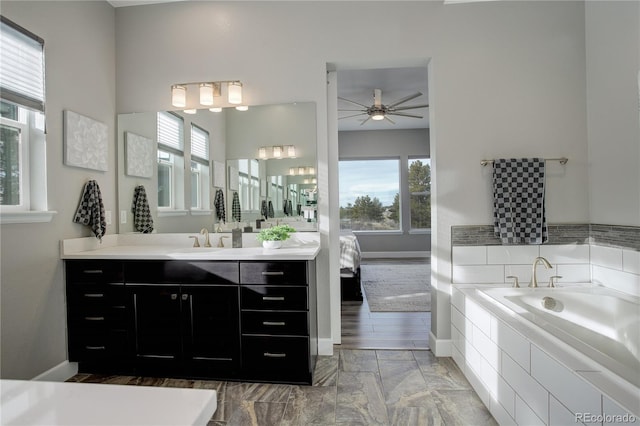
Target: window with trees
{"x": 420, "y": 193}
{"x": 367, "y": 192}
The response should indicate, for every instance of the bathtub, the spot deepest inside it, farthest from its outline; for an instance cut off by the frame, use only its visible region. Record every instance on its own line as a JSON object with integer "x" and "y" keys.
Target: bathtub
{"x": 601, "y": 323}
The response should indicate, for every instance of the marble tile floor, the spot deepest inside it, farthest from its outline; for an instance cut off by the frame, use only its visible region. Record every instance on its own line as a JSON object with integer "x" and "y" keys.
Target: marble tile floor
{"x": 352, "y": 387}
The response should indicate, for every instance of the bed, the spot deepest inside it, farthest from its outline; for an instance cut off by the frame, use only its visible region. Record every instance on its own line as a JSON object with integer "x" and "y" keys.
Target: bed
{"x": 350, "y": 256}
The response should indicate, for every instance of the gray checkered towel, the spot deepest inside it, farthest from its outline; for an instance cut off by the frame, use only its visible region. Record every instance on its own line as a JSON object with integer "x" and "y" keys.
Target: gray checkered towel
{"x": 518, "y": 201}
{"x": 270, "y": 208}
{"x": 218, "y": 202}
{"x": 91, "y": 210}
{"x": 235, "y": 208}
{"x": 142, "y": 219}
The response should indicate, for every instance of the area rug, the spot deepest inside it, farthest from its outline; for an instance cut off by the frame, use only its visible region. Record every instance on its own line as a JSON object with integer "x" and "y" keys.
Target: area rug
{"x": 393, "y": 287}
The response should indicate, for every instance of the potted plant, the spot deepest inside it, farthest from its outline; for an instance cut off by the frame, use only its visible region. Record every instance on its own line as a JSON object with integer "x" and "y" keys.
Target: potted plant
{"x": 273, "y": 237}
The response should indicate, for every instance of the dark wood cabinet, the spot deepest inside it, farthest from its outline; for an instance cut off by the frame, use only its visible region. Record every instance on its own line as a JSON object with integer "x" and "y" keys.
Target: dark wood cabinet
{"x": 235, "y": 320}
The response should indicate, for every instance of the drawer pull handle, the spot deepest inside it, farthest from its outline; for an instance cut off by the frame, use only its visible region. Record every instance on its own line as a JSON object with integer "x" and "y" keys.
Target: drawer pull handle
{"x": 94, "y": 295}
{"x": 92, "y": 271}
{"x": 273, "y": 298}
{"x": 273, "y": 273}
{"x": 278, "y": 323}
{"x": 94, "y": 318}
{"x": 95, "y": 348}
{"x": 272, "y": 355}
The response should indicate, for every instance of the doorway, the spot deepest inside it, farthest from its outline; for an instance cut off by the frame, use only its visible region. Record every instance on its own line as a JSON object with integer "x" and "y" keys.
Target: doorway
{"x": 384, "y": 198}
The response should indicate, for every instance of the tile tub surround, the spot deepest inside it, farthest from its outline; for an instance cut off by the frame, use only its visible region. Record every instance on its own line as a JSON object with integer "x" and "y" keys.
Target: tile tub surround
{"x": 525, "y": 376}
{"x": 610, "y": 257}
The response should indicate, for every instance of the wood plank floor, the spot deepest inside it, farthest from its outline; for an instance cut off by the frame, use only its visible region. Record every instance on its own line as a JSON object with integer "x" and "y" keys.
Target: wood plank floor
{"x": 363, "y": 329}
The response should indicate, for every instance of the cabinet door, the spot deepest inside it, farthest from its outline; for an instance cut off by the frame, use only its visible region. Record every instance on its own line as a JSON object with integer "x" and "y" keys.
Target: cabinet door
{"x": 211, "y": 329}
{"x": 157, "y": 327}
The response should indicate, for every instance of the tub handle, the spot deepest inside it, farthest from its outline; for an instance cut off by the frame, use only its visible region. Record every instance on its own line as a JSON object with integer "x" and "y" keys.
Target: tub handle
{"x": 515, "y": 281}
{"x": 552, "y": 284}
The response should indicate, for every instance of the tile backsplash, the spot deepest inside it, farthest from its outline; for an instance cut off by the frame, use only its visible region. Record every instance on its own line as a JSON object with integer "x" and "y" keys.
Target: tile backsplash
{"x": 604, "y": 254}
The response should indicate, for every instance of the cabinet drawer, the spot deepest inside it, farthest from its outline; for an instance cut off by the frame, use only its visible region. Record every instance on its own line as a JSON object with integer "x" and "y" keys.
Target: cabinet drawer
{"x": 275, "y": 323}
{"x": 179, "y": 271}
{"x": 275, "y": 354}
{"x": 94, "y": 271}
{"x": 92, "y": 345}
{"x": 273, "y": 297}
{"x": 280, "y": 273}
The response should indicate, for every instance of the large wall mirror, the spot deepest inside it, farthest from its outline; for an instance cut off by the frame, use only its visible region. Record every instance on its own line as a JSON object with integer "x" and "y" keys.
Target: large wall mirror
{"x": 264, "y": 158}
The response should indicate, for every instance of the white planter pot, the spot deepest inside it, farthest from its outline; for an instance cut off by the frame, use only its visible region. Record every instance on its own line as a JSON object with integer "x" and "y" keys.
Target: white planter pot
{"x": 272, "y": 244}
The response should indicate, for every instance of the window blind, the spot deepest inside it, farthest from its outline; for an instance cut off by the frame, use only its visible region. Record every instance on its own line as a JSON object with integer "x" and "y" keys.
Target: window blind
{"x": 22, "y": 66}
{"x": 199, "y": 145}
{"x": 171, "y": 132}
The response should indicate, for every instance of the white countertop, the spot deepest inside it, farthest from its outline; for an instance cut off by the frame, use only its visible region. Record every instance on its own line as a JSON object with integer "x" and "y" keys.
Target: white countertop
{"x": 177, "y": 247}
{"x": 55, "y": 403}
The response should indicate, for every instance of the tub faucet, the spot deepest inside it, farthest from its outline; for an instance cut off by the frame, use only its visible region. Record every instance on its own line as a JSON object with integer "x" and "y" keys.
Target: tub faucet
{"x": 534, "y": 278}
{"x": 205, "y": 232}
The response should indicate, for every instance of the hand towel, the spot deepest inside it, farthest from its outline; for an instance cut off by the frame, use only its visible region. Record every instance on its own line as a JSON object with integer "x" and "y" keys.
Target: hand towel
{"x": 219, "y": 205}
{"x": 264, "y": 211}
{"x": 142, "y": 219}
{"x": 518, "y": 201}
{"x": 235, "y": 208}
{"x": 270, "y": 208}
{"x": 91, "y": 209}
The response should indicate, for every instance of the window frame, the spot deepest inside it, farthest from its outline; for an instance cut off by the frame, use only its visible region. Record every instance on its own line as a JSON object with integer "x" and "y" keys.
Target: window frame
{"x": 33, "y": 206}
{"x": 200, "y": 171}
{"x": 176, "y": 165}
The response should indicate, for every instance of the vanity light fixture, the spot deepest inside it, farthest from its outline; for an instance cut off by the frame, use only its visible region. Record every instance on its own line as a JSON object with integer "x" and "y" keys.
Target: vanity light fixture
{"x": 277, "y": 151}
{"x": 215, "y": 109}
{"x": 208, "y": 90}
{"x": 190, "y": 111}
{"x": 242, "y": 108}
{"x": 302, "y": 171}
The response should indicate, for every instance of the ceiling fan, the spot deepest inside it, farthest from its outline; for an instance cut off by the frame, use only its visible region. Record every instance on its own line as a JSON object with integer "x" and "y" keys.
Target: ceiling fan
{"x": 380, "y": 111}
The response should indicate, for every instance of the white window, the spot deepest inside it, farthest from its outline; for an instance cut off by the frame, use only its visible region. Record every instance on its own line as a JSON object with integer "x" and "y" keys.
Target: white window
{"x": 249, "y": 185}
{"x": 23, "y": 177}
{"x": 170, "y": 163}
{"x": 199, "y": 168}
{"x": 419, "y": 180}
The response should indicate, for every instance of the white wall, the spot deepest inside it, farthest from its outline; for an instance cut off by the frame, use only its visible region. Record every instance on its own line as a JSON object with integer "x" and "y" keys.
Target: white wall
{"x": 80, "y": 76}
{"x": 613, "y": 108}
{"x": 507, "y": 78}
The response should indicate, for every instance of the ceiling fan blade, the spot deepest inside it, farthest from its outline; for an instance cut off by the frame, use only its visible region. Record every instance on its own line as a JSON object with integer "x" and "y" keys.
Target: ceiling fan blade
{"x": 386, "y": 117}
{"x": 349, "y": 116}
{"x": 411, "y": 107}
{"x": 377, "y": 98}
{"x": 353, "y": 110}
{"x": 405, "y": 99}
{"x": 368, "y": 118}
{"x": 353, "y": 102}
{"x": 402, "y": 114}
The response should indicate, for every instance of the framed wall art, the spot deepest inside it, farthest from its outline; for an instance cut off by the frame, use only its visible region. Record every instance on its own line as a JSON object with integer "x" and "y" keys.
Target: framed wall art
{"x": 139, "y": 158}
{"x": 85, "y": 142}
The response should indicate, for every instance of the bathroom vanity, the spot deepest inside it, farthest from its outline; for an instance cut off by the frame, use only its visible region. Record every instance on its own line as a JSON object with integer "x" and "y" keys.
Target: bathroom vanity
{"x": 234, "y": 314}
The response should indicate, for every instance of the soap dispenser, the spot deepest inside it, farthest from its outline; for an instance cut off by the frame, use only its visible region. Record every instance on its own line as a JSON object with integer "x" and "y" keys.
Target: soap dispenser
{"x": 236, "y": 237}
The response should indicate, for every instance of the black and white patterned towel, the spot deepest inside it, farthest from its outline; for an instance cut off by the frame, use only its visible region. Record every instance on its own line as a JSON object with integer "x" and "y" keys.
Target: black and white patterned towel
{"x": 235, "y": 208}
{"x": 289, "y": 208}
{"x": 270, "y": 208}
{"x": 518, "y": 201}
{"x": 142, "y": 220}
{"x": 90, "y": 210}
{"x": 264, "y": 211}
{"x": 218, "y": 202}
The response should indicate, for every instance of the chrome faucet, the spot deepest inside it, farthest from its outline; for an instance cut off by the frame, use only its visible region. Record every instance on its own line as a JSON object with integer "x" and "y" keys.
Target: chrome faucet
{"x": 205, "y": 232}
{"x": 534, "y": 278}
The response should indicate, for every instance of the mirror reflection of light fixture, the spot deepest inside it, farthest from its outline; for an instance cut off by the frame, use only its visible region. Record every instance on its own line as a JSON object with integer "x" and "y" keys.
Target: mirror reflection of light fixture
{"x": 208, "y": 90}
{"x": 215, "y": 109}
{"x": 302, "y": 171}
{"x": 190, "y": 111}
{"x": 179, "y": 96}
{"x": 277, "y": 151}
{"x": 242, "y": 108}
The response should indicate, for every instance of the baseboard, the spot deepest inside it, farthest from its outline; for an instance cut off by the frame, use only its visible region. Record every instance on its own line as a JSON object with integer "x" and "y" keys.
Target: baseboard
{"x": 440, "y": 347}
{"x": 395, "y": 254}
{"x": 59, "y": 373}
{"x": 325, "y": 346}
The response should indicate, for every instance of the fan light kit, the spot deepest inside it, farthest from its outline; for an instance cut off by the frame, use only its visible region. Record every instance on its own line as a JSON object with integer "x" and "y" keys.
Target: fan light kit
{"x": 208, "y": 91}
{"x": 379, "y": 111}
